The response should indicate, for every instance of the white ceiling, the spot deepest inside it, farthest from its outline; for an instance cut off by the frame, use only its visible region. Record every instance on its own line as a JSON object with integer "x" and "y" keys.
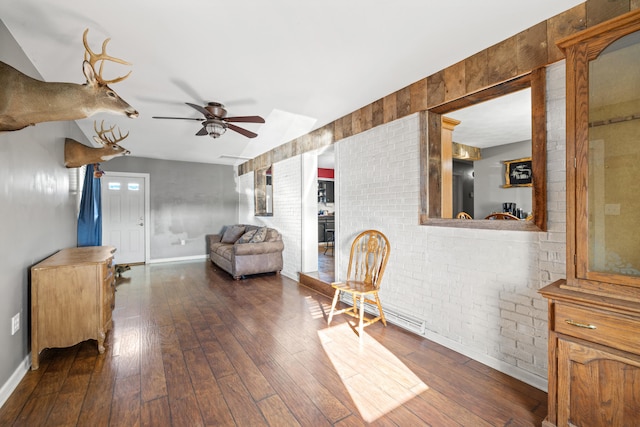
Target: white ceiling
{"x": 300, "y": 65}
{"x": 500, "y": 121}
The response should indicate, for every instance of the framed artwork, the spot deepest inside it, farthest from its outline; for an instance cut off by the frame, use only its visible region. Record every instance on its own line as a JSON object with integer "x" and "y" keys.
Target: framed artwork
{"x": 518, "y": 173}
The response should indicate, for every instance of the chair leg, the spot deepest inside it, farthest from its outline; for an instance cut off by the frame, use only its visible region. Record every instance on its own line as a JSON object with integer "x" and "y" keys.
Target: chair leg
{"x": 384, "y": 321}
{"x": 361, "y": 324}
{"x": 333, "y": 305}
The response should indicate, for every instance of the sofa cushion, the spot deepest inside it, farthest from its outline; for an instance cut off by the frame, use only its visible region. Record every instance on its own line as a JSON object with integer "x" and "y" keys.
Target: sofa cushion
{"x": 272, "y": 235}
{"x": 233, "y": 233}
{"x": 225, "y": 250}
{"x": 259, "y": 235}
{"x": 246, "y": 237}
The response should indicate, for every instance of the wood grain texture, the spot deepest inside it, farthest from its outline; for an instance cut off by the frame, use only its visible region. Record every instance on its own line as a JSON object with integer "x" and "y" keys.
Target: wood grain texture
{"x": 71, "y": 298}
{"x": 214, "y": 351}
{"x": 532, "y": 47}
{"x": 454, "y": 81}
{"x": 601, "y": 11}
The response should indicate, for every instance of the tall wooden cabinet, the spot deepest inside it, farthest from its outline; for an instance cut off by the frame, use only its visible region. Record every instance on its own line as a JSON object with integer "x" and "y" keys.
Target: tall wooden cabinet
{"x": 594, "y": 315}
{"x": 72, "y": 298}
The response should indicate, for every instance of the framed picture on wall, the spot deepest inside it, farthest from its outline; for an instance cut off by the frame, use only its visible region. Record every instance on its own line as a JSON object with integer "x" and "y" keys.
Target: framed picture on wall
{"x": 518, "y": 173}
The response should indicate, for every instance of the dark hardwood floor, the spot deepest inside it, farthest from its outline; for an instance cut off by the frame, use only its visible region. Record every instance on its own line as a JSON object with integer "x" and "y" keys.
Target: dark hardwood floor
{"x": 192, "y": 347}
{"x": 326, "y": 264}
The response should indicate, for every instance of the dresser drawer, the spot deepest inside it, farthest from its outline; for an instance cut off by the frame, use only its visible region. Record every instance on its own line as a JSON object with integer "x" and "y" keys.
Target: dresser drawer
{"x": 611, "y": 329}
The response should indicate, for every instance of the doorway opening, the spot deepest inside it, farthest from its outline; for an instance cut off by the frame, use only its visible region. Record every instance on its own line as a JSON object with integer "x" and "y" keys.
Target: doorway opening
{"x": 326, "y": 213}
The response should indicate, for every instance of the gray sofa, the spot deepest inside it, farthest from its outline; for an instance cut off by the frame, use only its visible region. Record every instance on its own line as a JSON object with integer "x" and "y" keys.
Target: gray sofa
{"x": 242, "y": 249}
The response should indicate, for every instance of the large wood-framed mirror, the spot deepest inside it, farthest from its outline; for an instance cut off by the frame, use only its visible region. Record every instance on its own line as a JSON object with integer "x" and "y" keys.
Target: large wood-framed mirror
{"x": 437, "y": 153}
{"x": 263, "y": 191}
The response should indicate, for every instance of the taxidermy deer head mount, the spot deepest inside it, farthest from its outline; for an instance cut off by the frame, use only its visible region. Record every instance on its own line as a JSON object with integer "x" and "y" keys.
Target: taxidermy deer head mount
{"x": 77, "y": 154}
{"x": 25, "y": 101}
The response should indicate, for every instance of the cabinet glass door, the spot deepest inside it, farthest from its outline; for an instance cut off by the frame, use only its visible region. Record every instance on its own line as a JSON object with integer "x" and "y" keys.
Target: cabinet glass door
{"x": 612, "y": 167}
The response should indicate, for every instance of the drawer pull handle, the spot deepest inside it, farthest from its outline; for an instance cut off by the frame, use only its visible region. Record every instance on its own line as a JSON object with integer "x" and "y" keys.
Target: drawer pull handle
{"x": 580, "y": 325}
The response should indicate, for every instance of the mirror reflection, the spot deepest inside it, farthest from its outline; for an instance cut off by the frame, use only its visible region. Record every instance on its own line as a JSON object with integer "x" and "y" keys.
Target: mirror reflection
{"x": 263, "y": 191}
{"x": 491, "y": 138}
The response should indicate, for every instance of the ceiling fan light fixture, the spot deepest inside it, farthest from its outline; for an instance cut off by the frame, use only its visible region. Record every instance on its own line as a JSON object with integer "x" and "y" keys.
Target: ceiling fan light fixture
{"x": 215, "y": 129}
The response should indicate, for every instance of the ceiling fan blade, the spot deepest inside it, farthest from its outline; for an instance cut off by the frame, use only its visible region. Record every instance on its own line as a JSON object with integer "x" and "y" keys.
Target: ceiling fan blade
{"x": 244, "y": 132}
{"x": 200, "y": 109}
{"x": 245, "y": 119}
{"x": 177, "y": 118}
{"x": 202, "y": 132}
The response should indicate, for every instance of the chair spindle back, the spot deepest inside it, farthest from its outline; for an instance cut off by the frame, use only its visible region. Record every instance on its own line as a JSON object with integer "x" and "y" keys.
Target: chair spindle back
{"x": 368, "y": 258}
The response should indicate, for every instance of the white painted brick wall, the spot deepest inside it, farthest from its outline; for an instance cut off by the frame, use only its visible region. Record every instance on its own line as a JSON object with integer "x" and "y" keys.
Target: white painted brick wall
{"x": 476, "y": 290}
{"x": 287, "y": 210}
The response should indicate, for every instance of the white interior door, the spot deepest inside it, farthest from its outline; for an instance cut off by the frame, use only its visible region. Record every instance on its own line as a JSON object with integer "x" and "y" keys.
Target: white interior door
{"x": 124, "y": 216}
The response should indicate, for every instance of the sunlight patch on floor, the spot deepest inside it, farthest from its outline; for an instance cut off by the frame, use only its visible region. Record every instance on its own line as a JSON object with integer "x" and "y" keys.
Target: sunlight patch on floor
{"x": 317, "y": 309}
{"x": 377, "y": 381}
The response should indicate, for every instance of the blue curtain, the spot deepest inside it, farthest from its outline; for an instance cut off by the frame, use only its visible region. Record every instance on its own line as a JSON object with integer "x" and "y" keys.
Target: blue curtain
{"x": 90, "y": 217}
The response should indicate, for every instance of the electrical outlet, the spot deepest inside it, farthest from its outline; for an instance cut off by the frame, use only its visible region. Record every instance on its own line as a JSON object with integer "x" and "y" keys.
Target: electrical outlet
{"x": 612, "y": 209}
{"x": 15, "y": 324}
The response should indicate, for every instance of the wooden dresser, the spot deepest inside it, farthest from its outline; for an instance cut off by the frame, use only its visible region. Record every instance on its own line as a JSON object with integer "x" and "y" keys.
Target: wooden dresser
{"x": 594, "y": 359}
{"x": 594, "y": 315}
{"x": 72, "y": 298}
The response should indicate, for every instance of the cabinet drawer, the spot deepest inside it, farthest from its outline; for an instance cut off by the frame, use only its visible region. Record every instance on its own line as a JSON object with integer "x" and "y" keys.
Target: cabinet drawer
{"x": 611, "y": 329}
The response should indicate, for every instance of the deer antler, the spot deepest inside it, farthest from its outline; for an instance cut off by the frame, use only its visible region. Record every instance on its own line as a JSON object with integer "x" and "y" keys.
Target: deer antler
{"x": 103, "y": 134}
{"x": 93, "y": 58}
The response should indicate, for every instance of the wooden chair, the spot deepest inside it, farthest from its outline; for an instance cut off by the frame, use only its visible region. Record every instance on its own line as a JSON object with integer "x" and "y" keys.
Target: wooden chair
{"x": 463, "y": 215}
{"x": 501, "y": 215}
{"x": 367, "y": 261}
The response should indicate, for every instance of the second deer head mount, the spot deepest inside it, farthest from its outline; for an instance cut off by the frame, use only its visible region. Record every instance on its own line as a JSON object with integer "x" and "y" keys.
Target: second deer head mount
{"x": 25, "y": 101}
{"x": 77, "y": 154}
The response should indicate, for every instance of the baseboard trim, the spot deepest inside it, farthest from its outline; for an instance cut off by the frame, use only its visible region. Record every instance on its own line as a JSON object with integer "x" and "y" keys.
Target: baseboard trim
{"x": 184, "y": 258}
{"x": 505, "y": 368}
{"x": 15, "y": 378}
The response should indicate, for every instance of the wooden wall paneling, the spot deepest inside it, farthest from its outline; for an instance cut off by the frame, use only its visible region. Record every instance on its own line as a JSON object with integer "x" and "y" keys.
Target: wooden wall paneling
{"x": 539, "y": 146}
{"x": 634, "y": 4}
{"x": 377, "y": 113}
{"x": 599, "y": 11}
{"x": 454, "y": 81}
{"x": 562, "y": 25}
{"x": 435, "y": 89}
{"x": 423, "y": 214}
{"x": 356, "y": 122}
{"x": 389, "y": 105}
{"x": 403, "y": 102}
{"x": 491, "y": 92}
{"x": 338, "y": 134}
{"x": 476, "y": 72}
{"x": 347, "y": 126}
{"x": 434, "y": 165}
{"x": 366, "y": 117}
{"x": 327, "y": 137}
{"x": 532, "y": 48}
{"x": 284, "y": 151}
{"x": 418, "y": 93}
{"x": 502, "y": 60}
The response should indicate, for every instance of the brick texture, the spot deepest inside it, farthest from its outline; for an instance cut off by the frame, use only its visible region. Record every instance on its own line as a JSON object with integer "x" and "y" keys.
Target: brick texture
{"x": 475, "y": 290}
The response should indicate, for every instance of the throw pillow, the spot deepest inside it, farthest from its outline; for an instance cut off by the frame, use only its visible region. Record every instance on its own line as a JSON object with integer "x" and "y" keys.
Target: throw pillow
{"x": 259, "y": 235}
{"x": 246, "y": 237}
{"x": 232, "y": 234}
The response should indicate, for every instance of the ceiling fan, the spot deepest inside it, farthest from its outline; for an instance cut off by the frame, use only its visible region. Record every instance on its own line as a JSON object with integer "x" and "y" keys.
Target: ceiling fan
{"x": 216, "y": 122}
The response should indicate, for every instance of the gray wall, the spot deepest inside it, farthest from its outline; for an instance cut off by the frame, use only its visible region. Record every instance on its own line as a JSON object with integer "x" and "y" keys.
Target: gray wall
{"x": 188, "y": 200}
{"x": 489, "y": 179}
{"x": 37, "y": 214}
